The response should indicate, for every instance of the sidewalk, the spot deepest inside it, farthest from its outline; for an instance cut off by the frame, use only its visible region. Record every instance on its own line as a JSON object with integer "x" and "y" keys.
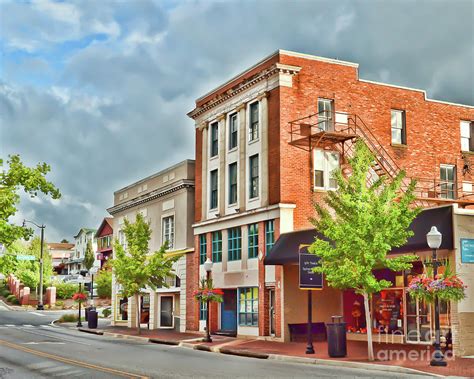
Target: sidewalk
{"x": 391, "y": 357}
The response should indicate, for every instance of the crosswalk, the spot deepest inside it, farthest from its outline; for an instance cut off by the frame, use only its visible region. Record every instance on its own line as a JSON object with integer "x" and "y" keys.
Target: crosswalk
{"x": 26, "y": 326}
{"x": 49, "y": 368}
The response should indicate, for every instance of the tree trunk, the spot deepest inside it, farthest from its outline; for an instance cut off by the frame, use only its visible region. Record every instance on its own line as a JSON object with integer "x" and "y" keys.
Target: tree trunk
{"x": 368, "y": 321}
{"x": 137, "y": 300}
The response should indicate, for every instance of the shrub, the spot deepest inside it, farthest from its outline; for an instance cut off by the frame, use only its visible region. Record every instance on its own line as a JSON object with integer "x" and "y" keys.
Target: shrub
{"x": 104, "y": 284}
{"x": 70, "y": 317}
{"x": 106, "y": 312}
{"x": 65, "y": 290}
{"x": 4, "y": 292}
{"x": 59, "y": 303}
{"x": 11, "y": 298}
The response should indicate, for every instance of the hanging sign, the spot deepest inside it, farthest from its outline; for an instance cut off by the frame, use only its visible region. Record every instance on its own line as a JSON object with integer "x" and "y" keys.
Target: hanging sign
{"x": 308, "y": 278}
{"x": 467, "y": 250}
{"x": 25, "y": 257}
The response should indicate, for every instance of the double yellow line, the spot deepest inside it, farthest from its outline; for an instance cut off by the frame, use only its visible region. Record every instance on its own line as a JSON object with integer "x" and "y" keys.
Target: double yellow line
{"x": 71, "y": 361}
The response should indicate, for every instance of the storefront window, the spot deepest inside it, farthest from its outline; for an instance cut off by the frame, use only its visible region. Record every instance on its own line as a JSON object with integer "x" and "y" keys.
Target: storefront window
{"x": 248, "y": 306}
{"x": 122, "y": 308}
{"x": 388, "y": 311}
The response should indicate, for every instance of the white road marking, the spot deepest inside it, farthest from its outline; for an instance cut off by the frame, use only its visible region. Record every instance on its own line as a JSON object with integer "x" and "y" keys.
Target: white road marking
{"x": 10, "y": 325}
{"x": 44, "y": 343}
{"x": 45, "y": 326}
{"x": 37, "y": 314}
{"x": 41, "y": 365}
{"x": 28, "y": 326}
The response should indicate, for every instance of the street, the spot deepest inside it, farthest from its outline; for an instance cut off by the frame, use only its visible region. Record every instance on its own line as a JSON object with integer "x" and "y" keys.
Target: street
{"x": 30, "y": 347}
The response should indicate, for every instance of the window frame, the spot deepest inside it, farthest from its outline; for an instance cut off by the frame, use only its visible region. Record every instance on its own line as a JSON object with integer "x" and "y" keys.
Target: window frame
{"x": 216, "y": 246}
{"x": 253, "y": 195}
{"x": 234, "y": 240}
{"x": 326, "y": 170}
{"x": 402, "y": 128}
{"x": 446, "y": 183}
{"x": 202, "y": 249}
{"x": 213, "y": 192}
{"x": 254, "y": 125}
{"x": 253, "y": 240}
{"x": 248, "y": 306}
{"x": 172, "y": 232}
{"x": 233, "y": 134}
{"x": 269, "y": 231}
{"x": 214, "y": 142}
{"x": 232, "y": 198}
{"x": 325, "y": 122}
{"x": 469, "y": 137}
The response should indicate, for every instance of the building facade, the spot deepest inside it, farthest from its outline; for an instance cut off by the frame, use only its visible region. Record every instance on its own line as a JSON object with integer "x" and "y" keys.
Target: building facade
{"x": 76, "y": 262}
{"x": 266, "y": 143}
{"x": 104, "y": 236}
{"x": 60, "y": 254}
{"x": 166, "y": 200}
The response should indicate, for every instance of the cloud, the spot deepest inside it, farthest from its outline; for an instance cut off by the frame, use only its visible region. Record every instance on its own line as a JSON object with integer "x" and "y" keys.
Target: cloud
{"x": 100, "y": 90}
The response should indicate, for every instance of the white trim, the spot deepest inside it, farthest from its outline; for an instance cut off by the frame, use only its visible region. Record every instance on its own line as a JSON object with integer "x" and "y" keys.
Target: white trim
{"x": 163, "y": 216}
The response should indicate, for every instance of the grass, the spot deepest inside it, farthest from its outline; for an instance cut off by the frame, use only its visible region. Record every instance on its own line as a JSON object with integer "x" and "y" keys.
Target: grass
{"x": 69, "y": 317}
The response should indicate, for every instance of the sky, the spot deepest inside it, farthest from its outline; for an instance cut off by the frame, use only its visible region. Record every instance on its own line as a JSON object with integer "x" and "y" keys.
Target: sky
{"x": 100, "y": 89}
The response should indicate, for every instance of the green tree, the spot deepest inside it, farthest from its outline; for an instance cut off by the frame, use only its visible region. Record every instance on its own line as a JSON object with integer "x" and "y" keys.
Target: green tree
{"x": 64, "y": 240}
{"x": 89, "y": 256}
{"x": 362, "y": 222}
{"x": 12, "y": 179}
{"x": 104, "y": 284}
{"x": 134, "y": 267}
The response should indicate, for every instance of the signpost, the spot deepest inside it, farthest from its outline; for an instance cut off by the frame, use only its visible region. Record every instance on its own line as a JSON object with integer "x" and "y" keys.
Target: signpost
{"x": 467, "y": 250}
{"x": 309, "y": 280}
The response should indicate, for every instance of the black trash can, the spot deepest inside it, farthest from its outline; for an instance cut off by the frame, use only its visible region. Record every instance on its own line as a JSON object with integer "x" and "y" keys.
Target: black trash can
{"x": 92, "y": 319}
{"x": 87, "y": 310}
{"x": 337, "y": 339}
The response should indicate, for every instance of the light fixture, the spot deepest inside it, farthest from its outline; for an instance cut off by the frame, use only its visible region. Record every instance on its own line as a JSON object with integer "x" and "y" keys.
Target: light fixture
{"x": 434, "y": 238}
{"x": 208, "y": 265}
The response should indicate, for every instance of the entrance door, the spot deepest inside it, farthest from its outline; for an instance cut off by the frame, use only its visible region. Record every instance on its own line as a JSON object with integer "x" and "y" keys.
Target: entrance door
{"x": 271, "y": 301}
{"x": 418, "y": 321}
{"x": 166, "y": 311}
{"x": 229, "y": 311}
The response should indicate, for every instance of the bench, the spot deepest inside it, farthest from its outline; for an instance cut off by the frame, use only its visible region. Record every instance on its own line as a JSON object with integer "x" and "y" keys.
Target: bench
{"x": 299, "y": 332}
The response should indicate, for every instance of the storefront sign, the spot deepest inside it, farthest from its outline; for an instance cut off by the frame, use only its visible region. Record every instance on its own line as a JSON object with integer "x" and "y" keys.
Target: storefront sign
{"x": 308, "y": 278}
{"x": 467, "y": 250}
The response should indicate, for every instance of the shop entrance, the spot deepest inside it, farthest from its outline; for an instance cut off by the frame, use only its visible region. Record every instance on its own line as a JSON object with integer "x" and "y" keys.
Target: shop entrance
{"x": 271, "y": 301}
{"x": 229, "y": 311}
{"x": 418, "y": 316}
{"x": 166, "y": 311}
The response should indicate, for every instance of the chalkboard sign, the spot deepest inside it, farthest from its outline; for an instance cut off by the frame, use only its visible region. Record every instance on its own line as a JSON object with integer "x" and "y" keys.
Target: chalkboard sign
{"x": 467, "y": 250}
{"x": 308, "y": 278}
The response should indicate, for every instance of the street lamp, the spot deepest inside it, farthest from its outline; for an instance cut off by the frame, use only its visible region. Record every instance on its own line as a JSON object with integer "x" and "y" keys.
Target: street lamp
{"x": 434, "y": 238}
{"x": 40, "y": 305}
{"x": 208, "y": 268}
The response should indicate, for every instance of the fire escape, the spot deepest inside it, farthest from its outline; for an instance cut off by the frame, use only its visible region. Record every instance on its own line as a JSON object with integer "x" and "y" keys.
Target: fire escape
{"x": 339, "y": 131}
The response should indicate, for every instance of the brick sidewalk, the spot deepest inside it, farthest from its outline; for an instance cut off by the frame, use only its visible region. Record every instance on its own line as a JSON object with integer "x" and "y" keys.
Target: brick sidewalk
{"x": 387, "y": 354}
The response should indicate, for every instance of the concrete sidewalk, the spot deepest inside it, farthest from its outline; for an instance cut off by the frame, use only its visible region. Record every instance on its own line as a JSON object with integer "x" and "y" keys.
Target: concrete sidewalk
{"x": 390, "y": 357}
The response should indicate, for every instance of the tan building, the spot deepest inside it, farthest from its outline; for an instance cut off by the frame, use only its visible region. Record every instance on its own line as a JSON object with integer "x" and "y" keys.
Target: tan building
{"x": 60, "y": 254}
{"x": 166, "y": 200}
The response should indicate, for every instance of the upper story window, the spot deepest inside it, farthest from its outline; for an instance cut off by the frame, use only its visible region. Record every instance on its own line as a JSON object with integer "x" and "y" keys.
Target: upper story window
{"x": 168, "y": 231}
{"x": 214, "y": 139}
{"x": 233, "y": 127}
{"x": 398, "y": 127}
{"x": 467, "y": 135}
{"x": 253, "y": 176}
{"x": 325, "y": 163}
{"x": 325, "y": 114}
{"x": 217, "y": 246}
{"x": 233, "y": 183}
{"x": 269, "y": 235}
{"x": 235, "y": 244}
{"x": 202, "y": 248}
{"x": 253, "y": 241}
{"x": 214, "y": 190}
{"x": 253, "y": 119}
{"x": 447, "y": 174}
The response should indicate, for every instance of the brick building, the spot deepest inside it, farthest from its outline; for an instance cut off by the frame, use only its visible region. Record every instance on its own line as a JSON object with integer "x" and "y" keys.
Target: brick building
{"x": 266, "y": 143}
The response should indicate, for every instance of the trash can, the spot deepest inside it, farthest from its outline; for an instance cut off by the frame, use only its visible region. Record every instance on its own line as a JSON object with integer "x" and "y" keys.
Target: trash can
{"x": 337, "y": 339}
{"x": 92, "y": 319}
{"x": 87, "y": 310}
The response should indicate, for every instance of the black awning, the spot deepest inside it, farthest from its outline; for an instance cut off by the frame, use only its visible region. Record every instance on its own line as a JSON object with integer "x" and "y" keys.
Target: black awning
{"x": 285, "y": 250}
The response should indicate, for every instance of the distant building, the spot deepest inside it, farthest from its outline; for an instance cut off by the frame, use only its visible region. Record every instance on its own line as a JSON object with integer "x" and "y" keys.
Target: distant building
{"x": 104, "y": 236}
{"x": 60, "y": 254}
{"x": 166, "y": 200}
{"x": 76, "y": 262}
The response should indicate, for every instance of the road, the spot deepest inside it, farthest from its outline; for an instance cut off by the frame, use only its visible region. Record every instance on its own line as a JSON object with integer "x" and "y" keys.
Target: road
{"x": 32, "y": 348}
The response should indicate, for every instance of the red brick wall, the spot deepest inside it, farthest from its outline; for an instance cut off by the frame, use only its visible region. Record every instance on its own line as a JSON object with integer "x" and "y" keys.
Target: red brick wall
{"x": 433, "y": 132}
{"x": 198, "y": 177}
{"x": 274, "y": 146}
{"x": 192, "y": 284}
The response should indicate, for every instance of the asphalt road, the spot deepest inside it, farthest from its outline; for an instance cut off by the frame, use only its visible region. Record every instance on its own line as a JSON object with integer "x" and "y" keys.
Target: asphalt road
{"x": 31, "y": 348}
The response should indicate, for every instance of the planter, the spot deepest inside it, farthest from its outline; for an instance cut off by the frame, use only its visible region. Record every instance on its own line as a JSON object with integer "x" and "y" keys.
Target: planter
{"x": 442, "y": 288}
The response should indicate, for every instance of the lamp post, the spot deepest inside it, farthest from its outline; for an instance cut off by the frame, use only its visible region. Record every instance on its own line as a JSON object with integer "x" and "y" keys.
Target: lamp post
{"x": 40, "y": 305}
{"x": 434, "y": 238}
{"x": 208, "y": 268}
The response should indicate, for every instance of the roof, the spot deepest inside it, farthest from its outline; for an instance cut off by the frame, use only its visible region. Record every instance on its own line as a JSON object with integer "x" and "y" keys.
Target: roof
{"x": 105, "y": 221}
{"x": 60, "y": 246}
{"x": 286, "y": 248}
{"x": 84, "y": 230}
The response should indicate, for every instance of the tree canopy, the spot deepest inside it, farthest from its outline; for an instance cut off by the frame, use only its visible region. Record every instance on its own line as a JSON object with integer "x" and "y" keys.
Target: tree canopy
{"x": 18, "y": 176}
{"x": 89, "y": 257}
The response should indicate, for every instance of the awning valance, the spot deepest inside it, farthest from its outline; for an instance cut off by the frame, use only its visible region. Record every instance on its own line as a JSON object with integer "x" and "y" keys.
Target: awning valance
{"x": 285, "y": 250}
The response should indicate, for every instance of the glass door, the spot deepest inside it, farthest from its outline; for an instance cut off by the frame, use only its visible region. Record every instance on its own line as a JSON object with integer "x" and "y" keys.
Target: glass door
{"x": 418, "y": 325}
{"x": 325, "y": 114}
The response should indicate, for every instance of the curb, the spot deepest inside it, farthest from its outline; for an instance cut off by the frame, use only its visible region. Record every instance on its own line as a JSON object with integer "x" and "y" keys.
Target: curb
{"x": 91, "y": 331}
{"x": 7, "y": 306}
{"x": 244, "y": 353}
{"x": 164, "y": 342}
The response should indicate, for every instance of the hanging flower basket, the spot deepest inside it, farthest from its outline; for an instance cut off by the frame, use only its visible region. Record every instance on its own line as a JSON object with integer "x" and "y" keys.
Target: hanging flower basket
{"x": 208, "y": 292}
{"x": 79, "y": 297}
{"x": 443, "y": 288}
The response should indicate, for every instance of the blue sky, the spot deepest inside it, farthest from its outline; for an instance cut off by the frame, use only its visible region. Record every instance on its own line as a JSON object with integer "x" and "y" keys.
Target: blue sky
{"x": 100, "y": 89}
